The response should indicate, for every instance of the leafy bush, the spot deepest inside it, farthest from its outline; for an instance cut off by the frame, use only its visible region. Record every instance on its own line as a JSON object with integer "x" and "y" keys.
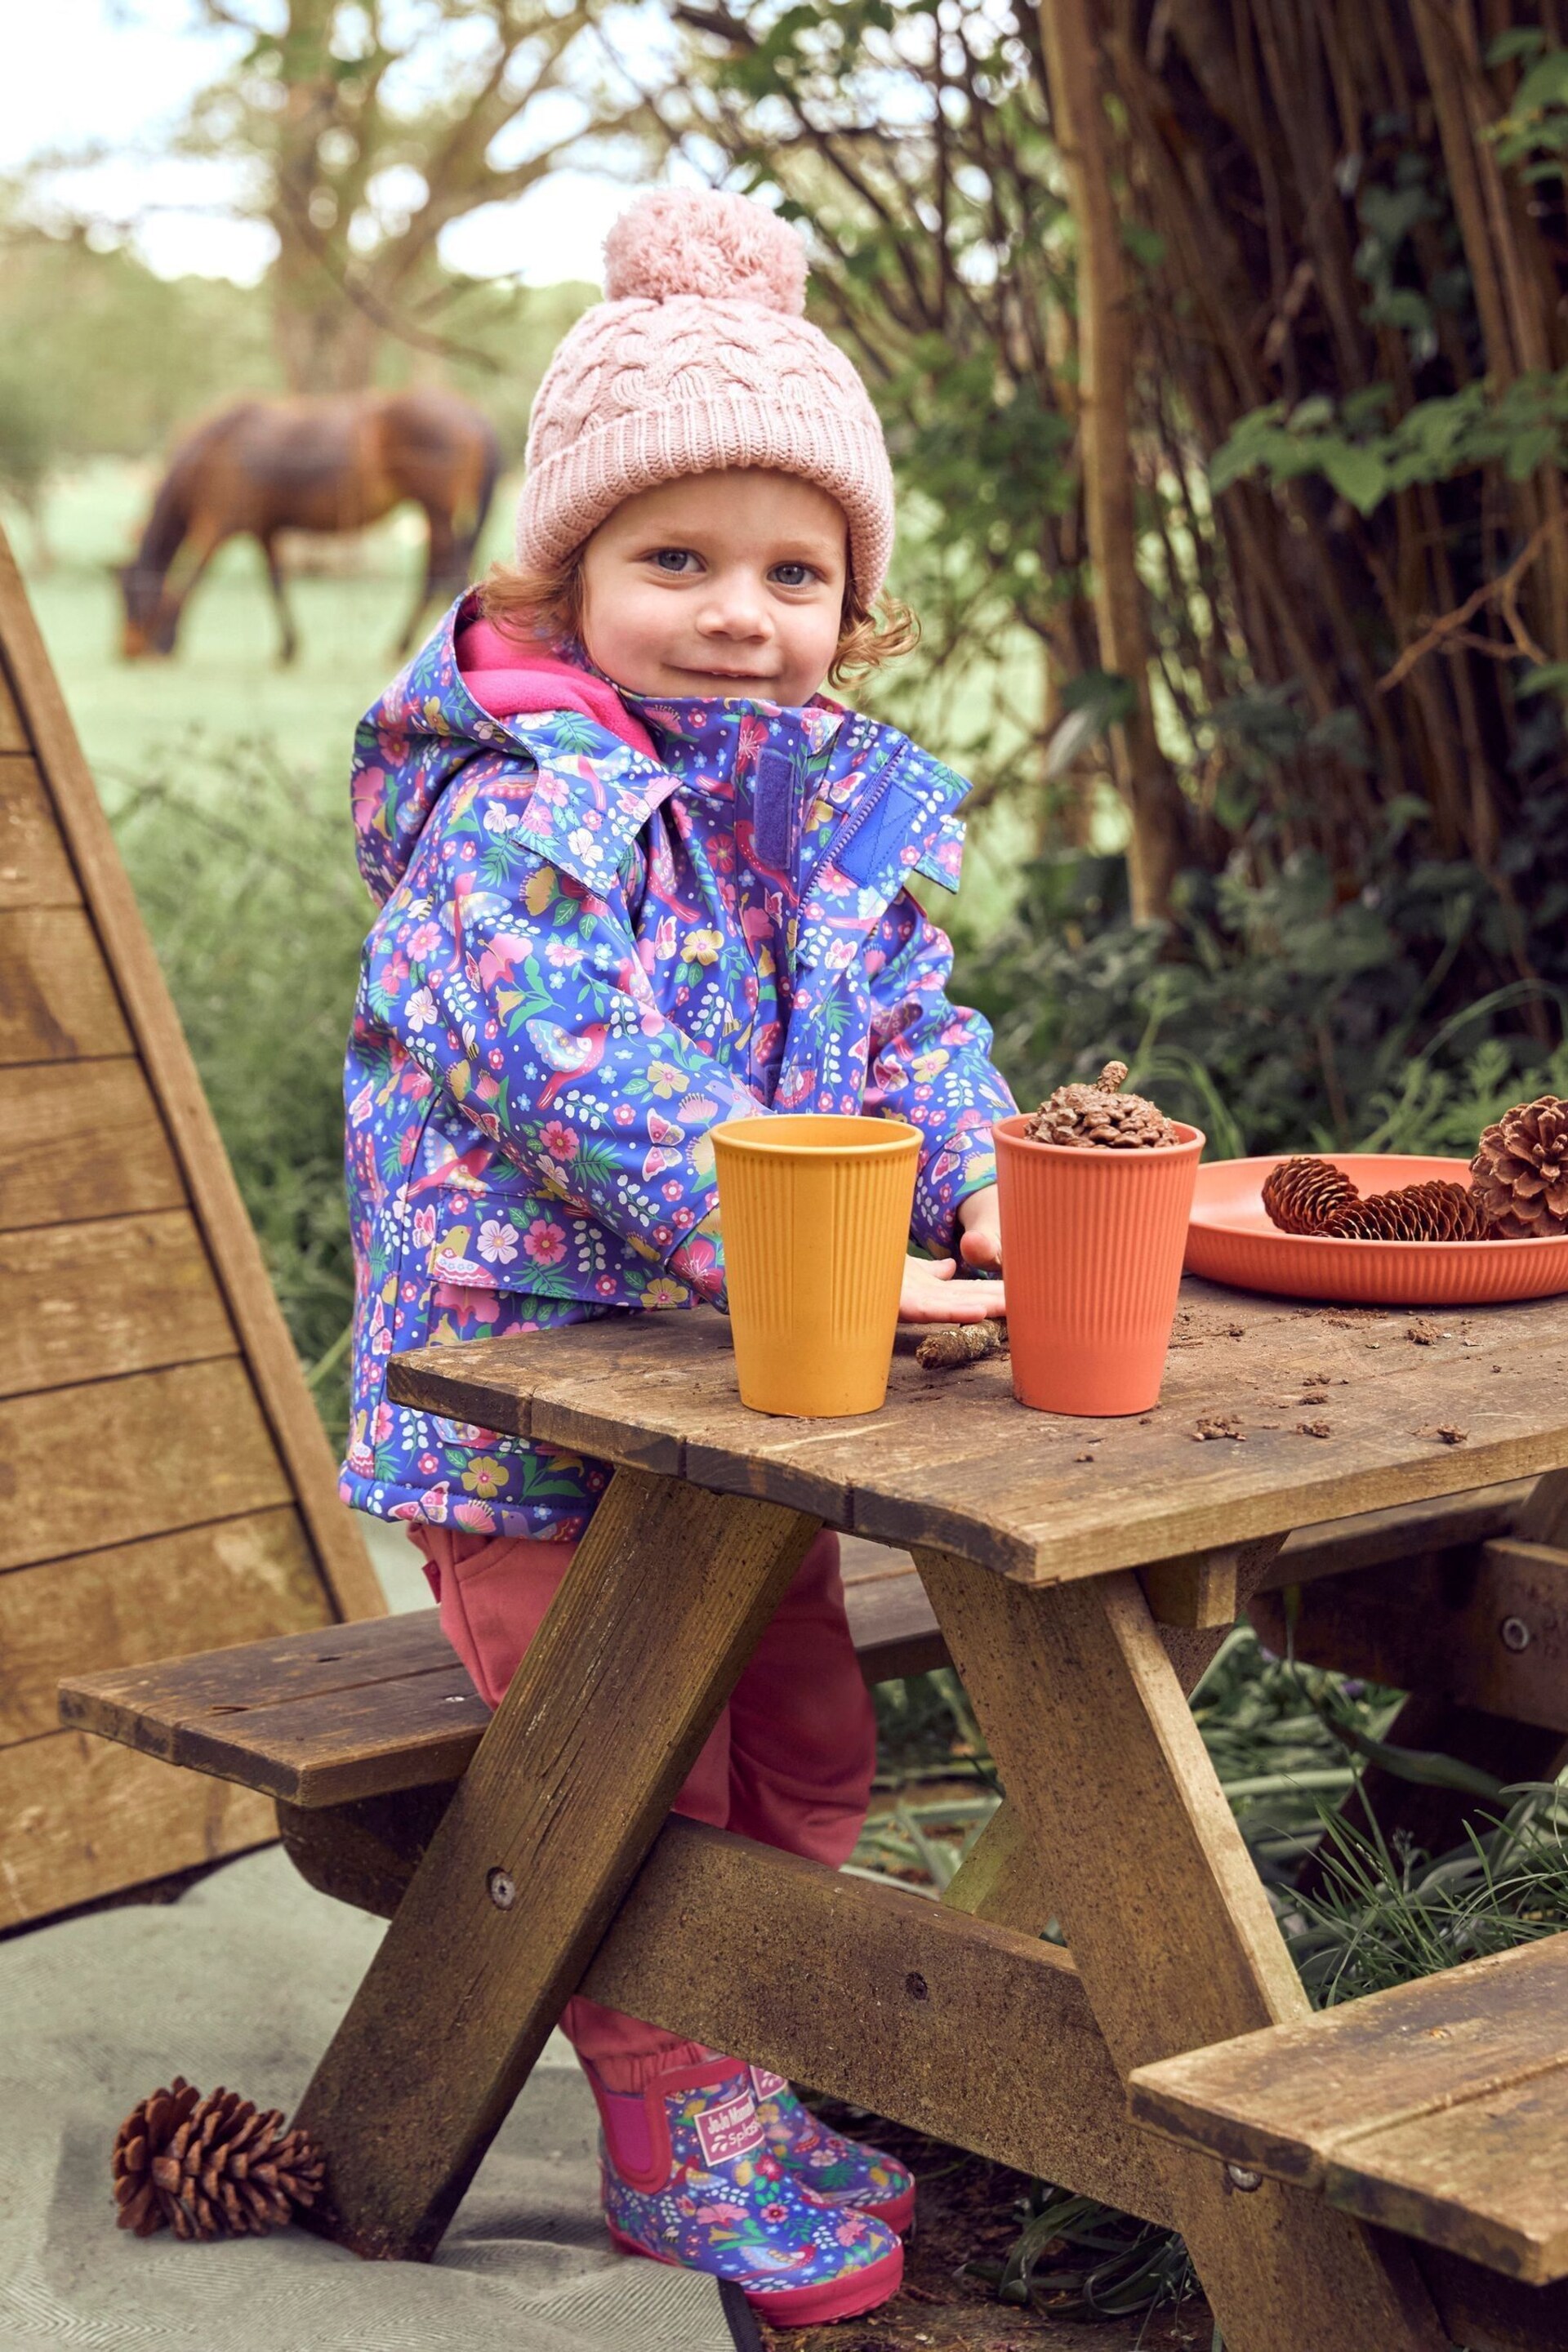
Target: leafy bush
{"x": 257, "y": 914}
{"x": 1282, "y": 1015}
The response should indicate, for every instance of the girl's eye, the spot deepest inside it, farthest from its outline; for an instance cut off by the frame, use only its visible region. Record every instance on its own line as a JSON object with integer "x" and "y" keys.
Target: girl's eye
{"x": 793, "y": 575}
{"x": 674, "y": 560}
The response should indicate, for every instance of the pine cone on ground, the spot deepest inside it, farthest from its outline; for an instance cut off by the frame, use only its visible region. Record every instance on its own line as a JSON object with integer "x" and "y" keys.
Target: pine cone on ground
{"x": 1301, "y": 1195}
{"x": 1521, "y": 1170}
{"x": 210, "y": 2167}
{"x": 1101, "y": 1114}
{"x": 1434, "y": 1211}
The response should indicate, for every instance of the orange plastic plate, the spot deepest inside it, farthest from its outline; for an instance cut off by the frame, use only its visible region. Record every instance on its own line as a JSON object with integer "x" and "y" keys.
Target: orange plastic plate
{"x": 1231, "y": 1240}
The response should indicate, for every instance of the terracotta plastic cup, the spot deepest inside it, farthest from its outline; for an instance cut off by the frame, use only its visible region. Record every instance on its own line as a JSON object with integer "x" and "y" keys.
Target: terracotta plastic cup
{"x": 815, "y": 1218}
{"x": 1092, "y": 1243}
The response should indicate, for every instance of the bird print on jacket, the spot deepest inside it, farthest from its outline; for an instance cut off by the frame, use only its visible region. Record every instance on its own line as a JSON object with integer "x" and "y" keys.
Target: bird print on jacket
{"x": 584, "y": 961}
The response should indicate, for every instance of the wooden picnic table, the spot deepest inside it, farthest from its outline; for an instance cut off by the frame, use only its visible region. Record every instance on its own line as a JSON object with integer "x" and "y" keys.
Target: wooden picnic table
{"x": 1082, "y": 1574}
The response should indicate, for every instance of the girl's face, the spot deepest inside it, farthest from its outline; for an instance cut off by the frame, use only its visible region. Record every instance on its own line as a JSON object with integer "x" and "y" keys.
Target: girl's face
{"x": 728, "y": 584}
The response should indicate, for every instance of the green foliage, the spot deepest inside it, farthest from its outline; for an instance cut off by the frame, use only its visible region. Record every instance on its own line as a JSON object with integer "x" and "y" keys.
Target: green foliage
{"x": 1533, "y": 135}
{"x": 1084, "y": 2260}
{"x": 259, "y": 918}
{"x": 1291, "y": 1014}
{"x": 1389, "y": 1912}
{"x": 1365, "y": 459}
{"x": 111, "y": 358}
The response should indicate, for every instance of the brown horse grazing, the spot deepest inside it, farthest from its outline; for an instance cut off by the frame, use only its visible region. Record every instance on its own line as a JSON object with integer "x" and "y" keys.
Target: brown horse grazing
{"x": 330, "y": 465}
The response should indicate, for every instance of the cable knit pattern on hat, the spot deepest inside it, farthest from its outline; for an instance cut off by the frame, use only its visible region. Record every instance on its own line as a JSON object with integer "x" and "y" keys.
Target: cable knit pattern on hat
{"x": 700, "y": 358}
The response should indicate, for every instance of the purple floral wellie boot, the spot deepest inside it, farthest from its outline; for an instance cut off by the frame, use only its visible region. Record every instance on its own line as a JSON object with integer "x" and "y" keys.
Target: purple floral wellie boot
{"x": 842, "y": 2172}
{"x": 688, "y": 2178}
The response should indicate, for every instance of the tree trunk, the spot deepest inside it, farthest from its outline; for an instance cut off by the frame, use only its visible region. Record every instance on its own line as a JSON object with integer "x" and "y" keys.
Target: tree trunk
{"x": 324, "y": 343}
{"x": 1106, "y": 354}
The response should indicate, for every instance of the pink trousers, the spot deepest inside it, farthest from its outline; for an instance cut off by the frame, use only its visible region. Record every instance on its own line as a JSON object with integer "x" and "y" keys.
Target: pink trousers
{"x": 789, "y": 1762}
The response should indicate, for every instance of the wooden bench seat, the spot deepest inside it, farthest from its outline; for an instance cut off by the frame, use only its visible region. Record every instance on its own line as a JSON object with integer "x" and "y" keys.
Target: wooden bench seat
{"x": 1439, "y": 2109}
{"x": 350, "y": 1711}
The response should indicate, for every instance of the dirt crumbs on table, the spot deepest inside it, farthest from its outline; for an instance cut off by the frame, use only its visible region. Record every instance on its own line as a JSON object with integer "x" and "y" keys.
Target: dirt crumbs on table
{"x": 1313, "y": 1429}
{"x": 1216, "y": 1425}
{"x": 966, "y": 2214}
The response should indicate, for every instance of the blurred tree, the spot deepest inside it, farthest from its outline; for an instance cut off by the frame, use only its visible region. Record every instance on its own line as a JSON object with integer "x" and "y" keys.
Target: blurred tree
{"x": 98, "y": 357}
{"x": 373, "y": 126}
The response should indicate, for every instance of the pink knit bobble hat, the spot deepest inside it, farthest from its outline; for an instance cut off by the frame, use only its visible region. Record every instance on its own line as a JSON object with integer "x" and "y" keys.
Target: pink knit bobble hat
{"x": 698, "y": 358}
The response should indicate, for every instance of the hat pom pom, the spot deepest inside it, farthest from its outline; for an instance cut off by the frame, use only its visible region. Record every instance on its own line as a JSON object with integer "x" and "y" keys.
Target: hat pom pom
{"x": 704, "y": 241}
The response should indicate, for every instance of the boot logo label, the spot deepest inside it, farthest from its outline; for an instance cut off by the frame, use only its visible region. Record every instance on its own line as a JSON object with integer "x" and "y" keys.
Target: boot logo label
{"x": 729, "y": 2130}
{"x": 767, "y": 2086}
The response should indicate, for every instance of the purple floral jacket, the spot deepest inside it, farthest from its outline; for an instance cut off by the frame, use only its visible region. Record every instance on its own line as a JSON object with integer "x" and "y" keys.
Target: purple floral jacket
{"x": 585, "y": 960}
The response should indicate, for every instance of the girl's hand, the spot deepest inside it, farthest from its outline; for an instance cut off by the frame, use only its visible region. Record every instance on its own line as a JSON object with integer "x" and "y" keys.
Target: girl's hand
{"x": 930, "y": 1294}
{"x": 980, "y": 1229}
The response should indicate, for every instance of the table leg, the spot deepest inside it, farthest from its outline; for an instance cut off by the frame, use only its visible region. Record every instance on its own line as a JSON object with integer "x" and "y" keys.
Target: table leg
{"x": 669, "y": 1592}
{"x": 1169, "y": 1926}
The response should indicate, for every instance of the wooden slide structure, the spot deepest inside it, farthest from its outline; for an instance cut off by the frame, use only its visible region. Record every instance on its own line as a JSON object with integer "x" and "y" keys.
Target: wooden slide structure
{"x": 165, "y": 1484}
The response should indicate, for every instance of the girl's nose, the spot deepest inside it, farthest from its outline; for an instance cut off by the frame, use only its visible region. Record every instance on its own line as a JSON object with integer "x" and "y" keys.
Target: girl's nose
{"x": 735, "y": 606}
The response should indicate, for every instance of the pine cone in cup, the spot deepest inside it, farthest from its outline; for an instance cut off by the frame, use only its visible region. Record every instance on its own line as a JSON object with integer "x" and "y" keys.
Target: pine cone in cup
{"x": 1101, "y": 1114}
{"x": 210, "y": 2167}
{"x": 1521, "y": 1170}
{"x": 1301, "y": 1195}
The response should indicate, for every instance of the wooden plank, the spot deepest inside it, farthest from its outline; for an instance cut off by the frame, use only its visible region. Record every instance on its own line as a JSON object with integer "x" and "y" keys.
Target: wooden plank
{"x": 1291, "y": 2100}
{"x": 1488, "y": 2179}
{"x": 35, "y": 869}
{"x": 13, "y": 734}
{"x": 1489, "y": 1630}
{"x": 58, "y": 1002}
{"x": 121, "y": 1295}
{"x": 81, "y": 1139}
{"x": 1003, "y": 1878}
{"x": 766, "y": 1979}
{"x": 81, "y": 1468}
{"x": 958, "y": 1464}
{"x": 1198, "y": 1592}
{"x": 568, "y": 1790}
{"x": 890, "y": 1618}
{"x": 1439, "y": 2109}
{"x": 318, "y": 1720}
{"x": 1168, "y": 1923}
{"x": 232, "y": 1581}
{"x": 268, "y": 1350}
{"x": 1444, "y": 1522}
{"x": 80, "y": 1819}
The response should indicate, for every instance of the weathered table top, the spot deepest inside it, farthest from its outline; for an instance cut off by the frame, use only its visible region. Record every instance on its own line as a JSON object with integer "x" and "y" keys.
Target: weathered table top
{"x": 1314, "y": 1413}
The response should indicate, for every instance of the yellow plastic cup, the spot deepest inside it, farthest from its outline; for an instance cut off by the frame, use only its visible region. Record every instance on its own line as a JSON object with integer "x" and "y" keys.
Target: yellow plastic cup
{"x": 815, "y": 1219}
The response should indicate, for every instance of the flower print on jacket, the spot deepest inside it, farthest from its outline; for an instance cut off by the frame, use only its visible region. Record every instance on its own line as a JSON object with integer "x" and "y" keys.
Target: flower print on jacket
{"x": 584, "y": 960}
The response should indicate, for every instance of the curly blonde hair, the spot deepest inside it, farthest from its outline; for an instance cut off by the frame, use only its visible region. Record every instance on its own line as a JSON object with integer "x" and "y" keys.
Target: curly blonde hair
{"x": 548, "y": 605}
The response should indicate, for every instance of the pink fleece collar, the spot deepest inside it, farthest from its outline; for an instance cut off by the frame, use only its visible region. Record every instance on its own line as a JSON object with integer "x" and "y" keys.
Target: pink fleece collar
{"x": 512, "y": 681}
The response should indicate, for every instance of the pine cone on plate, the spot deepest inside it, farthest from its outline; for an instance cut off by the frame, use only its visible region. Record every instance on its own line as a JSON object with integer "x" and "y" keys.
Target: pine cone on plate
{"x": 1301, "y": 1195}
{"x": 1521, "y": 1170}
{"x": 1309, "y": 1196}
{"x": 210, "y": 2167}
{"x": 1101, "y": 1114}
{"x": 1434, "y": 1211}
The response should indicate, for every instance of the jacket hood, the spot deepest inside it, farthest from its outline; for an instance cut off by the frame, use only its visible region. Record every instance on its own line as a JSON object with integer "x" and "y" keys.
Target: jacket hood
{"x": 888, "y": 814}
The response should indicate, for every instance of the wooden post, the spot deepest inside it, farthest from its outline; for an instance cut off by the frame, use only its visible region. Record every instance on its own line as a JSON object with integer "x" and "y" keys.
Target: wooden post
{"x": 670, "y": 1592}
{"x": 1169, "y": 1926}
{"x": 1105, "y": 396}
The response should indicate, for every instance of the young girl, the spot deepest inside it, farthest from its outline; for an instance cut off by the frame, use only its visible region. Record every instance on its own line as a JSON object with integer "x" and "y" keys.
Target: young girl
{"x": 637, "y": 877}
